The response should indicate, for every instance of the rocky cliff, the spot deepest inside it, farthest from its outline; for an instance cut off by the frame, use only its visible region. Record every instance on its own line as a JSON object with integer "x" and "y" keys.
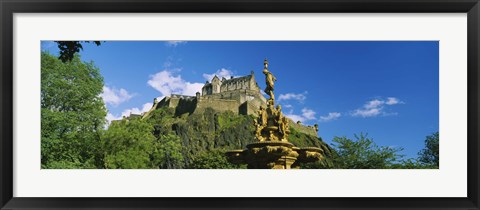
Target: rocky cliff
{"x": 213, "y": 131}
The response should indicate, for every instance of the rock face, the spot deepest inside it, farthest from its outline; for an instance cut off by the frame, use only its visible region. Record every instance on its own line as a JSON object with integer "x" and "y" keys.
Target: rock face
{"x": 212, "y": 131}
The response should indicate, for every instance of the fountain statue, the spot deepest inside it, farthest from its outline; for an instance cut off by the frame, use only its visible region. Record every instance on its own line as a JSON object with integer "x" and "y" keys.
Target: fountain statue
{"x": 271, "y": 149}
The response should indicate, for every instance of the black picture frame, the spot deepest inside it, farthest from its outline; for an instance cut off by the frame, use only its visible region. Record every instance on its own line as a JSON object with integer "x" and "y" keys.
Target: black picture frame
{"x": 10, "y": 7}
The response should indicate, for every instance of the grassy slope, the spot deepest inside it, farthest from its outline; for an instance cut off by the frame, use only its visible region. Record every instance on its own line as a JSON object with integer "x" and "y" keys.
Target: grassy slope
{"x": 213, "y": 131}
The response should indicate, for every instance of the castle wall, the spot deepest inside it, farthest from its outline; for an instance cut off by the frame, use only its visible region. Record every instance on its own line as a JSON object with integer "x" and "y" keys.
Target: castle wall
{"x": 254, "y": 99}
{"x": 248, "y": 108}
{"x": 220, "y": 105}
{"x": 166, "y": 101}
{"x": 173, "y": 102}
{"x": 207, "y": 90}
{"x": 303, "y": 128}
{"x": 185, "y": 106}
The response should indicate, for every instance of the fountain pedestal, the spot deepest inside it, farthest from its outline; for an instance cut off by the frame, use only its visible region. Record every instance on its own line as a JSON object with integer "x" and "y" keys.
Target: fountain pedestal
{"x": 274, "y": 155}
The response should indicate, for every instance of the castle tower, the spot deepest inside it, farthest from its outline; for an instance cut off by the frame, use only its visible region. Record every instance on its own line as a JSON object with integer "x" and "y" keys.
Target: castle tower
{"x": 251, "y": 82}
{"x": 216, "y": 85}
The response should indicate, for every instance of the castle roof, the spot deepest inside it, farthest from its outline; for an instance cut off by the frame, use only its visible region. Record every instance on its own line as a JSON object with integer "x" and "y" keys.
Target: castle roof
{"x": 230, "y": 81}
{"x": 237, "y": 79}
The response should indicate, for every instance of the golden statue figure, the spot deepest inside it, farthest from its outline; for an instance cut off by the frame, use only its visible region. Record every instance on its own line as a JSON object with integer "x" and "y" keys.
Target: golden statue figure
{"x": 258, "y": 132}
{"x": 286, "y": 128}
{"x": 280, "y": 121}
{"x": 269, "y": 80}
{"x": 272, "y": 136}
{"x": 260, "y": 123}
{"x": 263, "y": 116}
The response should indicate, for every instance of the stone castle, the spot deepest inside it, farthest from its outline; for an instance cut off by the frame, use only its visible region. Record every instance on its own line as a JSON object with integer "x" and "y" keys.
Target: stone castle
{"x": 240, "y": 95}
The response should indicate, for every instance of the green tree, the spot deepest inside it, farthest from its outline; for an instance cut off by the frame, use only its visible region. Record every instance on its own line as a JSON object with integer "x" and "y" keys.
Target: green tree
{"x": 168, "y": 152}
{"x": 129, "y": 144}
{"x": 430, "y": 154}
{"x": 68, "y": 49}
{"x": 214, "y": 159}
{"x": 72, "y": 113}
{"x": 364, "y": 154}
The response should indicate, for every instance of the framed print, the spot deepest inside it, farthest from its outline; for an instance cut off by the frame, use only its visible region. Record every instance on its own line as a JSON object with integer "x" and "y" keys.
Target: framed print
{"x": 188, "y": 105}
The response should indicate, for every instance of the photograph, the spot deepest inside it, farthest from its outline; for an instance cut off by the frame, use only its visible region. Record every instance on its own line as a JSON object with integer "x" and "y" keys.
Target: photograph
{"x": 193, "y": 104}
{"x": 161, "y": 104}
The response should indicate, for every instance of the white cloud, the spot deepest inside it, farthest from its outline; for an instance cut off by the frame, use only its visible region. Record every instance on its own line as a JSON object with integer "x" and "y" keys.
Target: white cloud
{"x": 375, "y": 108}
{"x": 292, "y": 96}
{"x": 220, "y": 73}
{"x": 115, "y": 96}
{"x": 174, "y": 43}
{"x": 330, "y": 116}
{"x": 167, "y": 83}
{"x": 192, "y": 88}
{"x": 373, "y": 104}
{"x": 111, "y": 117}
{"x": 128, "y": 112}
{"x": 367, "y": 112}
{"x": 146, "y": 107}
{"x": 393, "y": 101}
{"x": 295, "y": 117}
{"x": 288, "y": 106}
{"x": 308, "y": 114}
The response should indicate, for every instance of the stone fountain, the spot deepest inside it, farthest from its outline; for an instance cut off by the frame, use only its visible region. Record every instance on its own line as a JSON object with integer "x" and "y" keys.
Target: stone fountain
{"x": 271, "y": 149}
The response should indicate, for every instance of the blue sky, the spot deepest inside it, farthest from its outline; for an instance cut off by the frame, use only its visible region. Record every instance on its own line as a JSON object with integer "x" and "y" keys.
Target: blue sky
{"x": 388, "y": 89}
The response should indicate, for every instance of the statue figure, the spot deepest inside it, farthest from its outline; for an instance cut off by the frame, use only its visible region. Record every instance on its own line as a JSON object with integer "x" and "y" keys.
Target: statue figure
{"x": 258, "y": 130}
{"x": 263, "y": 116}
{"x": 287, "y": 126}
{"x": 260, "y": 123}
{"x": 269, "y": 80}
{"x": 272, "y": 136}
{"x": 280, "y": 122}
{"x": 271, "y": 113}
{"x": 279, "y": 113}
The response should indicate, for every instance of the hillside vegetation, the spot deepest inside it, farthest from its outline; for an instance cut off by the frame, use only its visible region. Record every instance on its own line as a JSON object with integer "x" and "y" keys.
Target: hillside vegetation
{"x": 187, "y": 141}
